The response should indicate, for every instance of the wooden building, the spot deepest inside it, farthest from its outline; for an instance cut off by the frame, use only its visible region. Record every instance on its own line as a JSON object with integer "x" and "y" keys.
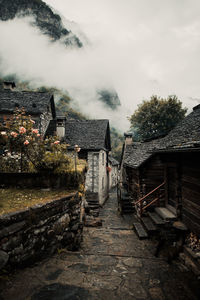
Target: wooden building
{"x": 142, "y": 171}
{"x": 180, "y": 154}
{"x": 169, "y": 166}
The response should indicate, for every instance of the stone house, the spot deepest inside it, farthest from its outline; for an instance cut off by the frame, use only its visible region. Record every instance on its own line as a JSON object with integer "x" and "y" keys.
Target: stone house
{"x": 93, "y": 139}
{"x": 39, "y": 105}
{"x": 113, "y": 169}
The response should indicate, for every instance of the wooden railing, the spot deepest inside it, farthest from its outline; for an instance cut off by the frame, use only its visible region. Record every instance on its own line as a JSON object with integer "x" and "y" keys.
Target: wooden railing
{"x": 141, "y": 204}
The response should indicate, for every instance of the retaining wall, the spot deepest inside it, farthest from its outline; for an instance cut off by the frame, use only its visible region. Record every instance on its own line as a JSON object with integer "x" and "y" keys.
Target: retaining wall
{"x": 38, "y": 231}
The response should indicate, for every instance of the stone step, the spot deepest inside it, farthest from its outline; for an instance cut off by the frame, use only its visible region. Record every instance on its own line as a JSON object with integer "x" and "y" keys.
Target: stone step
{"x": 127, "y": 206}
{"x": 156, "y": 218}
{"x": 93, "y": 203}
{"x": 92, "y": 200}
{"x": 148, "y": 225}
{"x": 93, "y": 206}
{"x": 126, "y": 203}
{"x": 126, "y": 198}
{"x": 128, "y": 211}
{"x": 165, "y": 214}
{"x": 140, "y": 231}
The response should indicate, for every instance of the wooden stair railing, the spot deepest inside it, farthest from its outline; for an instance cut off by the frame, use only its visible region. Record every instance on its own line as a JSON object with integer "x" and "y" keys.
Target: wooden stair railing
{"x": 143, "y": 206}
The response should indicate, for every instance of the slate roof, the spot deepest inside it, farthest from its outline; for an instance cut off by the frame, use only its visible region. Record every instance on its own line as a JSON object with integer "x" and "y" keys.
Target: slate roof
{"x": 137, "y": 153}
{"x": 186, "y": 134}
{"x": 113, "y": 161}
{"x": 184, "y": 137}
{"x": 34, "y": 103}
{"x": 88, "y": 134}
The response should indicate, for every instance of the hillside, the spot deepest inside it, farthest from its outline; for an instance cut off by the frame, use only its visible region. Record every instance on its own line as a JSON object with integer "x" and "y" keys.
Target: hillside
{"x": 45, "y": 19}
{"x": 50, "y": 24}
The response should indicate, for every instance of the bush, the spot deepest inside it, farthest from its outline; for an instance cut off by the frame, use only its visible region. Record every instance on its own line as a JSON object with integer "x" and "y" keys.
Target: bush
{"x": 25, "y": 150}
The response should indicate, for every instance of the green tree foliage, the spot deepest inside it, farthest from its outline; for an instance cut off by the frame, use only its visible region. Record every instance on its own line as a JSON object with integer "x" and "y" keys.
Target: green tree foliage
{"x": 156, "y": 117}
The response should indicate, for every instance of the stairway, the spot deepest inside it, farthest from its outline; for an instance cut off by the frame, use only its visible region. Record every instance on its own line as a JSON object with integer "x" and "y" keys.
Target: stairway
{"x": 93, "y": 203}
{"x": 126, "y": 203}
{"x": 154, "y": 222}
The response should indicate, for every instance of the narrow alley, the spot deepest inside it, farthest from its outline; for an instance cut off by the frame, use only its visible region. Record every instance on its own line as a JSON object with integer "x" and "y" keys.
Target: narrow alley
{"x": 112, "y": 264}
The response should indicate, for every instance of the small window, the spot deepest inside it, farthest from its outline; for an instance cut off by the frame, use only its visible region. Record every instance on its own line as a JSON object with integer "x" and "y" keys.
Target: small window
{"x": 33, "y": 105}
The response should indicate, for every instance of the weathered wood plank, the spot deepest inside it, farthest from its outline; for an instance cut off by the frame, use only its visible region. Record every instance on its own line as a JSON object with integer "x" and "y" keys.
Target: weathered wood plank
{"x": 156, "y": 219}
{"x": 140, "y": 231}
{"x": 191, "y": 215}
{"x": 193, "y": 226}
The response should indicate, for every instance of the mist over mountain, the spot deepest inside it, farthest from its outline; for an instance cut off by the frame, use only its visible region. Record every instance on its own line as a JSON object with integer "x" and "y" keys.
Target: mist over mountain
{"x": 46, "y": 49}
{"x": 110, "y": 98}
{"x": 45, "y": 19}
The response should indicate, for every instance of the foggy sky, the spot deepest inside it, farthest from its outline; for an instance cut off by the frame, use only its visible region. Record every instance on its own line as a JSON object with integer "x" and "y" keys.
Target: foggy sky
{"x": 139, "y": 47}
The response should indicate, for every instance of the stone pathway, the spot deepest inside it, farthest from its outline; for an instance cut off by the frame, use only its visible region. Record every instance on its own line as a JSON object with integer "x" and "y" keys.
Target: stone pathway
{"x": 112, "y": 264}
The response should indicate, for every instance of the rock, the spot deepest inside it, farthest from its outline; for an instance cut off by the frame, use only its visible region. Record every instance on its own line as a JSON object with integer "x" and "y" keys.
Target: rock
{"x": 132, "y": 262}
{"x": 12, "y": 229}
{"x": 93, "y": 222}
{"x": 64, "y": 220}
{"x": 156, "y": 293}
{"x": 75, "y": 227}
{"x": 3, "y": 259}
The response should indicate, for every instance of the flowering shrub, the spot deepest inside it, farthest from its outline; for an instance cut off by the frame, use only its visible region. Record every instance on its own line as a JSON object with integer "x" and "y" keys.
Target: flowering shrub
{"x": 25, "y": 150}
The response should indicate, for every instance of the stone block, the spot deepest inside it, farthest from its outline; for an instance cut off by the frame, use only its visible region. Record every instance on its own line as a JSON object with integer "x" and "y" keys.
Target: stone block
{"x": 12, "y": 229}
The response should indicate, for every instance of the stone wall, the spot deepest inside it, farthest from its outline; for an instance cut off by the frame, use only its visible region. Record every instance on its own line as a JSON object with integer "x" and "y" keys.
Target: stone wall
{"x": 113, "y": 175}
{"x": 103, "y": 177}
{"x": 97, "y": 180}
{"x": 38, "y": 231}
{"x": 92, "y": 176}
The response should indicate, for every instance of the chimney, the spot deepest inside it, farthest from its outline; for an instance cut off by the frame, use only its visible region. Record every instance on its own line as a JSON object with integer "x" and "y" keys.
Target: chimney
{"x": 9, "y": 85}
{"x": 60, "y": 126}
{"x": 128, "y": 138}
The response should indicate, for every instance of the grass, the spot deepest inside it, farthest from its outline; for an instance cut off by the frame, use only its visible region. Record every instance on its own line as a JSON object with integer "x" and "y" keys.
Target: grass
{"x": 18, "y": 199}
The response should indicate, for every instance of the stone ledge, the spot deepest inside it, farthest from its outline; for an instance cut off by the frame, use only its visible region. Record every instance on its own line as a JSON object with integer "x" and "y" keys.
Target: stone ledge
{"x": 26, "y": 236}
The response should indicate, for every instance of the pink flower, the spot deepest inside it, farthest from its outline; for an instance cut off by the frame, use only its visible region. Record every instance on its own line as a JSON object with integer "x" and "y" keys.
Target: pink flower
{"x": 26, "y": 142}
{"x": 35, "y": 131}
{"x": 56, "y": 142}
{"x": 22, "y": 130}
{"x": 38, "y": 134}
{"x": 14, "y": 134}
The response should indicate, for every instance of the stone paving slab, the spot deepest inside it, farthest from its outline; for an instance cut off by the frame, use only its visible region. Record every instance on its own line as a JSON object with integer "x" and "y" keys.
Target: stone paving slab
{"x": 112, "y": 264}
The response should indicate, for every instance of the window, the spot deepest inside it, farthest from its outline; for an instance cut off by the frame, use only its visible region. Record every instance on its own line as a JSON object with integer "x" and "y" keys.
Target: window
{"x": 103, "y": 183}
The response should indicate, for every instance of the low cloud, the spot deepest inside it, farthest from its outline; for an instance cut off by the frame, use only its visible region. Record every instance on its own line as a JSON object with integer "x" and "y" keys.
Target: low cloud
{"x": 33, "y": 57}
{"x": 131, "y": 49}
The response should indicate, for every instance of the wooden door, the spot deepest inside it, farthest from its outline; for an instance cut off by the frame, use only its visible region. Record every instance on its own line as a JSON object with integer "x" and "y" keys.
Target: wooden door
{"x": 172, "y": 187}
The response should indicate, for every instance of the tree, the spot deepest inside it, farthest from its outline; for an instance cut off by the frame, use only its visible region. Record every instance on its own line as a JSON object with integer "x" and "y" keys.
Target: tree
{"x": 156, "y": 117}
